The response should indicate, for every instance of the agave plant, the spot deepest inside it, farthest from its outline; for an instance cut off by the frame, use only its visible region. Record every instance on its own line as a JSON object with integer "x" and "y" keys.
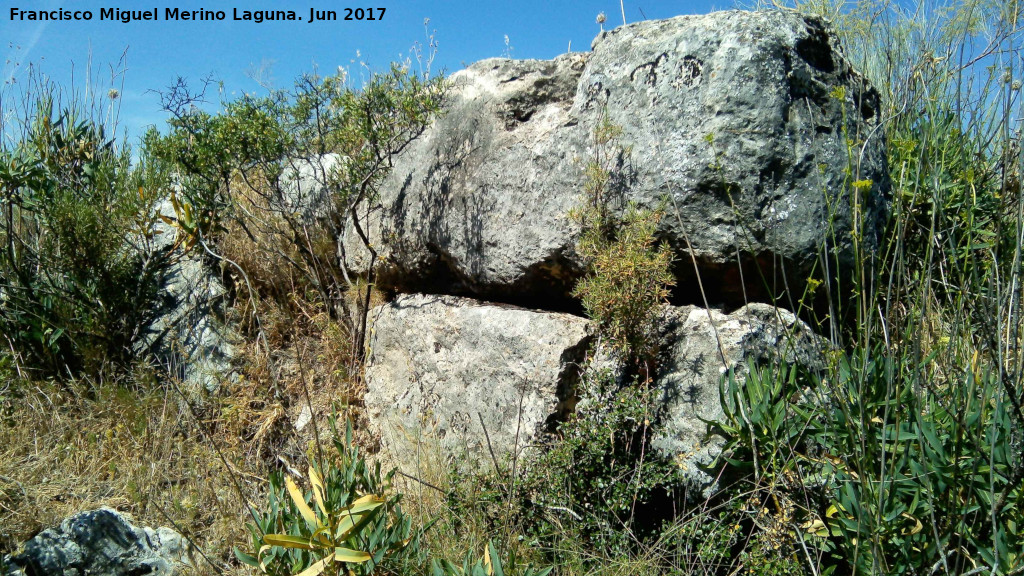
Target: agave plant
{"x": 334, "y": 531}
{"x": 345, "y": 524}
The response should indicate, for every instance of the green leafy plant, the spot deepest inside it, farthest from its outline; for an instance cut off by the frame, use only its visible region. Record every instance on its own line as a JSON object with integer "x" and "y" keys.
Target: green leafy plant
{"x": 600, "y": 478}
{"x": 630, "y": 272}
{"x": 887, "y": 471}
{"x": 79, "y": 276}
{"x": 630, "y": 278}
{"x": 347, "y": 523}
{"x": 925, "y": 476}
{"x": 489, "y": 565}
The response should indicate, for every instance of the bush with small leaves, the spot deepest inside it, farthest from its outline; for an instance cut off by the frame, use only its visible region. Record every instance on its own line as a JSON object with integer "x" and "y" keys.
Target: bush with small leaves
{"x": 601, "y": 476}
{"x": 630, "y": 278}
{"x": 629, "y": 271}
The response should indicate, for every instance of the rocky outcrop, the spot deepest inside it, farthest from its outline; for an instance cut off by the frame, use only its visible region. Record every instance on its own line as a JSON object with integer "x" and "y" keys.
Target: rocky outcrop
{"x": 740, "y": 120}
{"x": 101, "y": 542}
{"x": 189, "y": 338}
{"x": 468, "y": 378}
{"x": 700, "y": 348}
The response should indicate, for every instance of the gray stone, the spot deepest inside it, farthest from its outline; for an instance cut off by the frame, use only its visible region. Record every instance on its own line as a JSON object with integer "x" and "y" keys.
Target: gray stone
{"x": 739, "y": 119}
{"x": 466, "y": 378}
{"x": 693, "y": 370}
{"x": 189, "y": 338}
{"x": 305, "y": 187}
{"x": 100, "y": 543}
{"x": 474, "y": 207}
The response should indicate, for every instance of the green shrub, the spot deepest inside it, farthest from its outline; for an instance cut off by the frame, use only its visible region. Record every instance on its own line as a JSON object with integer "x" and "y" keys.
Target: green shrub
{"x": 629, "y": 272}
{"x": 79, "y": 280}
{"x": 737, "y": 532}
{"x": 630, "y": 277}
{"x": 349, "y": 522}
{"x": 892, "y": 475}
{"x": 232, "y": 163}
{"x": 601, "y": 479}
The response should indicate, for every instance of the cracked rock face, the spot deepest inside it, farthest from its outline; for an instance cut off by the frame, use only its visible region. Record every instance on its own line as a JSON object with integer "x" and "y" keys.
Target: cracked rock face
{"x": 443, "y": 369}
{"x": 700, "y": 348}
{"x": 99, "y": 542}
{"x": 739, "y": 120}
{"x": 189, "y": 337}
{"x": 468, "y": 378}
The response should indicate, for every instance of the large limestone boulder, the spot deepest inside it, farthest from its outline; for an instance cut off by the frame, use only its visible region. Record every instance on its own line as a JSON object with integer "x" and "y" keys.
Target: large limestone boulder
{"x": 101, "y": 542}
{"x": 468, "y": 378}
{"x": 701, "y": 348}
{"x": 740, "y": 120}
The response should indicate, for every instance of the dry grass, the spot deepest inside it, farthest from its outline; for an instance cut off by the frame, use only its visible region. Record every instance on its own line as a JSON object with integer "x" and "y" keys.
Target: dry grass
{"x": 133, "y": 444}
{"x": 463, "y": 512}
{"x": 456, "y": 505}
{"x": 82, "y": 445}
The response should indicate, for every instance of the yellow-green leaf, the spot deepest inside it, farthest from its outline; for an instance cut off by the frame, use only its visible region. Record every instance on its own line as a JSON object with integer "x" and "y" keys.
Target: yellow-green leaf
{"x": 351, "y": 556}
{"x": 263, "y": 550}
{"x": 300, "y": 503}
{"x": 318, "y": 489}
{"x": 917, "y": 525}
{"x": 349, "y": 524}
{"x": 317, "y": 567}
{"x": 322, "y": 536}
{"x": 288, "y": 541}
{"x": 815, "y": 527}
{"x": 364, "y": 504}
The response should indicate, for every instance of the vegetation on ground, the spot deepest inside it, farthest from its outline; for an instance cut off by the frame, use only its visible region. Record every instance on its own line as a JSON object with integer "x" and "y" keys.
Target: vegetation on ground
{"x": 79, "y": 275}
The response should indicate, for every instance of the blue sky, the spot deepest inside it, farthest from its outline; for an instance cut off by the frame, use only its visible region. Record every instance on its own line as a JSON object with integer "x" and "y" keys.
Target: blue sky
{"x": 156, "y": 53}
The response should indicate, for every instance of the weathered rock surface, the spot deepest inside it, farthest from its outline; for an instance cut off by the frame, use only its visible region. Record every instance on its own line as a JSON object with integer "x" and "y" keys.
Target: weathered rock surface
{"x": 740, "y": 119}
{"x": 189, "y": 338}
{"x": 305, "y": 187}
{"x": 692, "y": 368}
{"x": 103, "y": 543}
{"x": 442, "y": 370}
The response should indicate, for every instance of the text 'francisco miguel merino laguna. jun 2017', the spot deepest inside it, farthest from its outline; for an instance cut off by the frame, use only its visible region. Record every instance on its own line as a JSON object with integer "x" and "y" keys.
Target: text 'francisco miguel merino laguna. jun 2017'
{"x": 180, "y": 15}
